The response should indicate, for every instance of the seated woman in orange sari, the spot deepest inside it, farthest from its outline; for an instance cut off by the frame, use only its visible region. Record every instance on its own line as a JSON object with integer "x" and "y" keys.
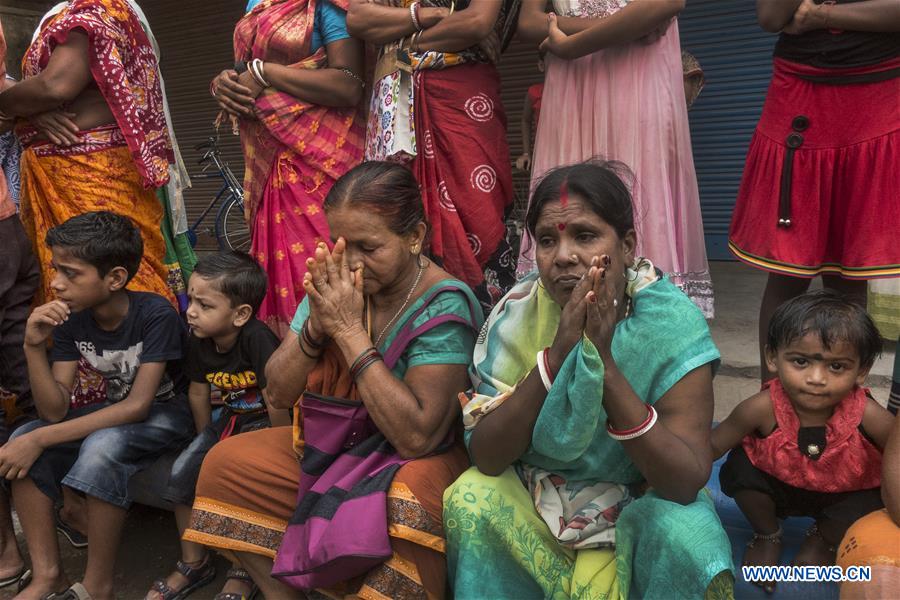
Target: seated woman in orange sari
{"x": 296, "y": 103}
{"x": 91, "y": 115}
{"x": 375, "y": 291}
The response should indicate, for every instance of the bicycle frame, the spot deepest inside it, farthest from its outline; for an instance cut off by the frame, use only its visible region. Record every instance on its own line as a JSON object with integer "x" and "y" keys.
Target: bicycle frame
{"x": 231, "y": 187}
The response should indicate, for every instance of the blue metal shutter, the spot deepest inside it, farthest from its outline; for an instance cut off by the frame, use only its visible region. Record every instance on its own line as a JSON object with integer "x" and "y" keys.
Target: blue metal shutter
{"x": 736, "y": 57}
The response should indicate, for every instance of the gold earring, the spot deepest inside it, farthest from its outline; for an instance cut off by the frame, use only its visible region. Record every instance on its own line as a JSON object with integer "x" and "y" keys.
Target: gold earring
{"x": 415, "y": 249}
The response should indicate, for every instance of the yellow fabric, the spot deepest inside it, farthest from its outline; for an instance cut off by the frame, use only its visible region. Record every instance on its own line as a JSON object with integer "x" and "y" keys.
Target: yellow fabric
{"x": 56, "y": 188}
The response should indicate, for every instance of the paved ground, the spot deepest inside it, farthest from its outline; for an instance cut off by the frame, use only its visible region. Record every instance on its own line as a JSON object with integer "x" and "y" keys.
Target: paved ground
{"x": 149, "y": 548}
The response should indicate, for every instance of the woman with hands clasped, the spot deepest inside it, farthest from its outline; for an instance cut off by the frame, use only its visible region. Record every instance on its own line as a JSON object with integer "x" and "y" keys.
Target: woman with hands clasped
{"x": 382, "y": 330}
{"x": 592, "y": 404}
{"x": 295, "y": 102}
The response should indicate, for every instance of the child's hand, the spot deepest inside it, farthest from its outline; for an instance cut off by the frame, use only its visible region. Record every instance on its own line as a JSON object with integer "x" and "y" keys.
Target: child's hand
{"x": 523, "y": 163}
{"x": 43, "y": 319}
{"x": 18, "y": 454}
{"x": 556, "y": 39}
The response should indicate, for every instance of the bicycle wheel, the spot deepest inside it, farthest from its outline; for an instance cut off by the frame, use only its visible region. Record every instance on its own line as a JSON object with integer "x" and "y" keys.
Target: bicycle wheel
{"x": 232, "y": 232}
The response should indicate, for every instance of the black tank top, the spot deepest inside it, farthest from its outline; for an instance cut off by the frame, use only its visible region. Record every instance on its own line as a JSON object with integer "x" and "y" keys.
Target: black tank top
{"x": 824, "y": 49}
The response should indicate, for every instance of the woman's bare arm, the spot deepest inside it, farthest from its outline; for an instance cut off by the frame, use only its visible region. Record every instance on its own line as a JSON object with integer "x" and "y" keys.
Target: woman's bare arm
{"x": 675, "y": 456}
{"x": 868, "y": 15}
{"x": 326, "y": 87}
{"x": 773, "y": 15}
{"x": 504, "y": 435}
{"x": 629, "y": 24}
{"x": 379, "y": 24}
{"x": 463, "y": 29}
{"x": 532, "y": 26}
{"x": 415, "y": 413}
{"x": 67, "y": 74}
{"x": 286, "y": 372}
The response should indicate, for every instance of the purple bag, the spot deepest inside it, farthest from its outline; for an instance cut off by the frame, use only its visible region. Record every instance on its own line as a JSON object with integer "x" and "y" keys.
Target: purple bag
{"x": 339, "y": 528}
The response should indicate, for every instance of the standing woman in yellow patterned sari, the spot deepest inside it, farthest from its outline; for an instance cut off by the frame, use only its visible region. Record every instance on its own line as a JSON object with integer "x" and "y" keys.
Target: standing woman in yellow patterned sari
{"x": 295, "y": 96}
{"x": 91, "y": 116}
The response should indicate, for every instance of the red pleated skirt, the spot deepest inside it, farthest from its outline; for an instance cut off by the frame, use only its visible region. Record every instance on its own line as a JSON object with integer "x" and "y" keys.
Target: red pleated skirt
{"x": 821, "y": 186}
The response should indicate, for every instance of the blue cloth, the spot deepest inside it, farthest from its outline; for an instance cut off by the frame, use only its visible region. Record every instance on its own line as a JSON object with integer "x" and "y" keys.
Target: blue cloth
{"x": 330, "y": 25}
{"x": 102, "y": 464}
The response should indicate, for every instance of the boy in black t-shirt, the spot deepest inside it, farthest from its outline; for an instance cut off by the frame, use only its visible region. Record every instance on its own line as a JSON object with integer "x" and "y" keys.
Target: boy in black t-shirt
{"x": 228, "y": 348}
{"x": 136, "y": 342}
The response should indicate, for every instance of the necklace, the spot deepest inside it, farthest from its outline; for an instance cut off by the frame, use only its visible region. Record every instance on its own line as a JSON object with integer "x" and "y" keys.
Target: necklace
{"x": 402, "y": 306}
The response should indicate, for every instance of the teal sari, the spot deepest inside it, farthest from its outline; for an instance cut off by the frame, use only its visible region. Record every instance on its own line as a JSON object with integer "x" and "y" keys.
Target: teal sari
{"x": 500, "y": 545}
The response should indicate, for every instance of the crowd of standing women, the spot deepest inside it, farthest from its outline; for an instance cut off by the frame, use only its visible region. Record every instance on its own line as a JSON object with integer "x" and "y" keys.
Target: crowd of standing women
{"x": 377, "y": 187}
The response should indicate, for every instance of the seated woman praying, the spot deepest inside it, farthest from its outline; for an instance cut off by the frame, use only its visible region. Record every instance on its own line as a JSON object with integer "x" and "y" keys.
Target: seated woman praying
{"x": 590, "y": 419}
{"x": 378, "y": 352}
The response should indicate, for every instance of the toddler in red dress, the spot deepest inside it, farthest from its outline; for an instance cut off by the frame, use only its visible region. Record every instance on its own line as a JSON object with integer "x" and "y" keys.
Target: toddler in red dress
{"x": 810, "y": 443}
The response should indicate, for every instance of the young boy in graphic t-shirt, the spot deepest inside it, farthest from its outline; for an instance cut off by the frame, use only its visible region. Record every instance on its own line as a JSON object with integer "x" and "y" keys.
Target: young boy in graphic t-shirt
{"x": 136, "y": 341}
{"x": 228, "y": 350}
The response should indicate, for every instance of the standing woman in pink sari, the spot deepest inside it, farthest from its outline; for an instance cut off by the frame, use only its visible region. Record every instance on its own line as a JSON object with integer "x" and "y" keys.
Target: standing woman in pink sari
{"x": 614, "y": 82}
{"x": 296, "y": 101}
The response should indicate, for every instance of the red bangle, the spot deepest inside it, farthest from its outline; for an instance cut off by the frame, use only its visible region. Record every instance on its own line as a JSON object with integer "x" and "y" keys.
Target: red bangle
{"x": 550, "y": 372}
{"x": 632, "y": 430}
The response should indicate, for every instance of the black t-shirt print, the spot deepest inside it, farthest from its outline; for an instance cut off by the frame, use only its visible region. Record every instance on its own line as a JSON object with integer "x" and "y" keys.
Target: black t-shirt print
{"x": 240, "y": 373}
{"x": 151, "y": 332}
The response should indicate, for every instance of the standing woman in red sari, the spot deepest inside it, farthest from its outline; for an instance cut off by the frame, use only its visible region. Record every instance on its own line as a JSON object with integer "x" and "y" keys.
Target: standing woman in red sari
{"x": 436, "y": 106}
{"x": 296, "y": 101}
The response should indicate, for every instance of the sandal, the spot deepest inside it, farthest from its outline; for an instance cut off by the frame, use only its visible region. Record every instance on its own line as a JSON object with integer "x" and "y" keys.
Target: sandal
{"x": 76, "y": 591}
{"x": 24, "y": 573}
{"x": 197, "y": 577}
{"x": 241, "y": 575}
{"x": 72, "y": 535}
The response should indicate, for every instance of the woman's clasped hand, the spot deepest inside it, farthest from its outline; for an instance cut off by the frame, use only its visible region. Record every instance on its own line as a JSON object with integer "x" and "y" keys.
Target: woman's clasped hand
{"x": 591, "y": 311}
{"x": 335, "y": 291}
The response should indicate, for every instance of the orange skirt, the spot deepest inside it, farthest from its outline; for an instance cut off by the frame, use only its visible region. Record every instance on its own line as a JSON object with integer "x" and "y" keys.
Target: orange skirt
{"x": 57, "y": 186}
{"x": 247, "y": 492}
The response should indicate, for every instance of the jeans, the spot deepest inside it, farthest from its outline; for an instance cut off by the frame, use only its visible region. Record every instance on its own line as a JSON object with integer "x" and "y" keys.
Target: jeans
{"x": 101, "y": 464}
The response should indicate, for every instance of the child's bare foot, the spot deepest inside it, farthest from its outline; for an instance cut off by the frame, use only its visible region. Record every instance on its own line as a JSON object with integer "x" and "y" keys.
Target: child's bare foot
{"x": 815, "y": 550}
{"x": 763, "y": 551}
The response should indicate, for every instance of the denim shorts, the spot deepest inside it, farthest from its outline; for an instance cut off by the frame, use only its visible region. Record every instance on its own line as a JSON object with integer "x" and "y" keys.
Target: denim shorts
{"x": 186, "y": 469}
{"x": 102, "y": 464}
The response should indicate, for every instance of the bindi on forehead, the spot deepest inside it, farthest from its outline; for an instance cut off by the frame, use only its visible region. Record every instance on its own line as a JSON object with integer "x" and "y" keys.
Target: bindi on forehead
{"x": 561, "y": 226}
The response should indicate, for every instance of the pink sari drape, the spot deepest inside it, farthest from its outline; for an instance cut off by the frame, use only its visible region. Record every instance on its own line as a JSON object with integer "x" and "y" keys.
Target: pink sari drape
{"x": 293, "y": 152}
